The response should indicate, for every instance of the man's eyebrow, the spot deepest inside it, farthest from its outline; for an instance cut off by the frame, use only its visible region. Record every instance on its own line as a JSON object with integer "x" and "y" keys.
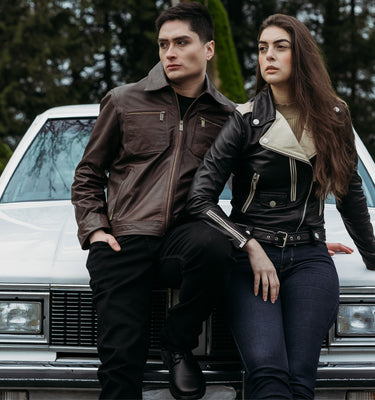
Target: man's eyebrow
{"x": 183, "y": 37}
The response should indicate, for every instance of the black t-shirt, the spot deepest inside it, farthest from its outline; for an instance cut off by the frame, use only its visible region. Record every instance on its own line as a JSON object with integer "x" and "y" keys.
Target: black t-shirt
{"x": 185, "y": 103}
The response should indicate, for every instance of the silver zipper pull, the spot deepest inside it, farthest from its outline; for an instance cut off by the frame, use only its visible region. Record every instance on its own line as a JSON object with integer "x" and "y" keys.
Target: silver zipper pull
{"x": 162, "y": 113}
{"x": 203, "y": 122}
{"x": 254, "y": 181}
{"x": 181, "y": 127}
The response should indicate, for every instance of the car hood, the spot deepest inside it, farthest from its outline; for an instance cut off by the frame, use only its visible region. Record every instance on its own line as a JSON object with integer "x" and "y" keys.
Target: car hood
{"x": 39, "y": 245}
{"x": 350, "y": 267}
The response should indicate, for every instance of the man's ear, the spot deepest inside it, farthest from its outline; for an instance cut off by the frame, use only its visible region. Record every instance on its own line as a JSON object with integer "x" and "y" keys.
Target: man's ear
{"x": 210, "y": 49}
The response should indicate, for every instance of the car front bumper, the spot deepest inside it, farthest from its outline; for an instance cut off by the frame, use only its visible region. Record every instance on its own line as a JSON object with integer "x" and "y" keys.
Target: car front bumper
{"x": 333, "y": 380}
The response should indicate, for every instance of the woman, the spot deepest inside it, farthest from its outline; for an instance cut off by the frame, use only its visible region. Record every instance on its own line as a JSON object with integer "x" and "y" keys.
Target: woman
{"x": 287, "y": 149}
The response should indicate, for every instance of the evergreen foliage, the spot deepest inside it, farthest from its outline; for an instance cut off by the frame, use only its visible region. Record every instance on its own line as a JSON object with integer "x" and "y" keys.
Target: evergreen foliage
{"x": 5, "y": 154}
{"x": 58, "y": 52}
{"x": 231, "y": 82}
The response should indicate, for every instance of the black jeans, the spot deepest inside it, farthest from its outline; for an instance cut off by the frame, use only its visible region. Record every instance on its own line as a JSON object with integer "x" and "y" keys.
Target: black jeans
{"x": 193, "y": 257}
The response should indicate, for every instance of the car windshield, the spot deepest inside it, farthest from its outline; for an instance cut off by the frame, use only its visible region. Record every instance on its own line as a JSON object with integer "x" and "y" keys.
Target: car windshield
{"x": 47, "y": 169}
{"x": 367, "y": 185}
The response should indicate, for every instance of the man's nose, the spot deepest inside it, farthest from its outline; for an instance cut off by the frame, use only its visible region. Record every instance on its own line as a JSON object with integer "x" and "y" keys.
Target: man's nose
{"x": 171, "y": 52}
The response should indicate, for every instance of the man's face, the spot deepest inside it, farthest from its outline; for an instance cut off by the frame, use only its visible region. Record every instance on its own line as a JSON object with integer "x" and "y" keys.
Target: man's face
{"x": 183, "y": 55}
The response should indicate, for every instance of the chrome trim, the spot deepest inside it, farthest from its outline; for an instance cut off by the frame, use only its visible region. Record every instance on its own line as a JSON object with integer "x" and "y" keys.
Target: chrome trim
{"x": 349, "y": 372}
{"x": 83, "y": 373}
{"x": 357, "y": 290}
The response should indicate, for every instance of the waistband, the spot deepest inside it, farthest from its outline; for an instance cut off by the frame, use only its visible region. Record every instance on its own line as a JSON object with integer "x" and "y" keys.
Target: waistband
{"x": 282, "y": 239}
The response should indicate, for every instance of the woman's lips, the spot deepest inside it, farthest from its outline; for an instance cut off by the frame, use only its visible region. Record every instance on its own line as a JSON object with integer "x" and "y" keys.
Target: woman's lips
{"x": 271, "y": 69}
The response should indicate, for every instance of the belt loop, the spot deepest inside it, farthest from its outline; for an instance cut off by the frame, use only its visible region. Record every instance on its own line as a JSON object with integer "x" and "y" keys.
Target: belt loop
{"x": 249, "y": 229}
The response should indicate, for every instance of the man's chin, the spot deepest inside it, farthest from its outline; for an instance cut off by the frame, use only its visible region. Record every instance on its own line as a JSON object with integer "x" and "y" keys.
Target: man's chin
{"x": 175, "y": 76}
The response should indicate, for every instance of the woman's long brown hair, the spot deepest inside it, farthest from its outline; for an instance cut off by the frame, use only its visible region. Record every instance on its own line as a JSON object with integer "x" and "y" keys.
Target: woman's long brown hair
{"x": 326, "y": 116}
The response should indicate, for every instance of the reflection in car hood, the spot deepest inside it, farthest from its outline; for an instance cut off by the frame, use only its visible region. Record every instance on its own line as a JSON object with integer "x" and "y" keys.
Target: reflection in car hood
{"x": 39, "y": 245}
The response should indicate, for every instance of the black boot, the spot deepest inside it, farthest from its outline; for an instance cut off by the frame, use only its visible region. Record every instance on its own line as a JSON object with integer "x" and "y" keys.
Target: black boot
{"x": 186, "y": 380}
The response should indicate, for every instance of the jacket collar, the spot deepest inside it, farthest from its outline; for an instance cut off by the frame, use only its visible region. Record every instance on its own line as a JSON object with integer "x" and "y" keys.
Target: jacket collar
{"x": 279, "y": 137}
{"x": 157, "y": 80}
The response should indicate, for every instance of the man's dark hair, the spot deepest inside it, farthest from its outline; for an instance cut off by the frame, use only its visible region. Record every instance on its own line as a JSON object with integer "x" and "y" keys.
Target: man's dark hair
{"x": 195, "y": 14}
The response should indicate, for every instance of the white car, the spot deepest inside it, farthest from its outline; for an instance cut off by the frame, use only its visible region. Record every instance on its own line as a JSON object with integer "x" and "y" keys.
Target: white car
{"x": 48, "y": 325}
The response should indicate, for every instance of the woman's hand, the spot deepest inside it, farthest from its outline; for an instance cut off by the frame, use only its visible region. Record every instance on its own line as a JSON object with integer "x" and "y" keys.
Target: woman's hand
{"x": 338, "y": 248}
{"x": 264, "y": 271}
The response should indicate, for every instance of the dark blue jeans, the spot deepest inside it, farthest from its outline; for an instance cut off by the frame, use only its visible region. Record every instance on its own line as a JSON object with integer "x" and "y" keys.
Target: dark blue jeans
{"x": 280, "y": 343}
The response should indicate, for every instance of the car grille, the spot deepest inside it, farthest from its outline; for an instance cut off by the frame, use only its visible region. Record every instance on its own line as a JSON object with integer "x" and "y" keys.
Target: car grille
{"x": 73, "y": 322}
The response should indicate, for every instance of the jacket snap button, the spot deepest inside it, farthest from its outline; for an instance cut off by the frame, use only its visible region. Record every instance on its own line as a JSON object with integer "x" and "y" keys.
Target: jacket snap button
{"x": 256, "y": 121}
{"x": 336, "y": 109}
{"x": 272, "y": 203}
{"x": 316, "y": 234}
{"x": 265, "y": 140}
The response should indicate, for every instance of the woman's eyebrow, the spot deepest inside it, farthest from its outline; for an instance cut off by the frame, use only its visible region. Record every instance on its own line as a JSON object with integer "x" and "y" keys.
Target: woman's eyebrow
{"x": 275, "y": 42}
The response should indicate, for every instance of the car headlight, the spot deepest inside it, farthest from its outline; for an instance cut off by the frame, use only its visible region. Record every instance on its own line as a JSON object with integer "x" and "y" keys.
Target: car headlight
{"x": 356, "y": 320}
{"x": 20, "y": 317}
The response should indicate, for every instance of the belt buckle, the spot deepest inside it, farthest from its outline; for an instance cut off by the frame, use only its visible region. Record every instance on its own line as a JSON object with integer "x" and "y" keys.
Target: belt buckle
{"x": 284, "y": 239}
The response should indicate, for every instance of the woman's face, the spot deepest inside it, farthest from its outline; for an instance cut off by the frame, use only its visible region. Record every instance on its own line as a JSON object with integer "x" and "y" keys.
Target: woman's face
{"x": 275, "y": 56}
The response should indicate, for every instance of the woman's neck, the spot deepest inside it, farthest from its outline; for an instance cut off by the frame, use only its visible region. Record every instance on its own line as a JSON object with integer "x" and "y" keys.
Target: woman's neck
{"x": 281, "y": 95}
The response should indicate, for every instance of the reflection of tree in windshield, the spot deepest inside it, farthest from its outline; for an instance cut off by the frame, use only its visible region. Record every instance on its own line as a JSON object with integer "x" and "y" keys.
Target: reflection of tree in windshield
{"x": 46, "y": 171}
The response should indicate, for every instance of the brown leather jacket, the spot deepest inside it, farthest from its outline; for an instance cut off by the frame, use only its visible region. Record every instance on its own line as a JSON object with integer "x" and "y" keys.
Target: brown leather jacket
{"x": 145, "y": 155}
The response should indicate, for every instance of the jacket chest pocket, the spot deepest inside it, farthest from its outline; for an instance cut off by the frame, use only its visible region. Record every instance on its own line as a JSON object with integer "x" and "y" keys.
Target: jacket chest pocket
{"x": 205, "y": 132}
{"x": 273, "y": 199}
{"x": 145, "y": 132}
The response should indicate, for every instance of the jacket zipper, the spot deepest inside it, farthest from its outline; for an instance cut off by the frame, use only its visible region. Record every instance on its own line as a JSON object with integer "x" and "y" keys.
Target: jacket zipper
{"x": 204, "y": 120}
{"x": 305, "y": 206}
{"x": 220, "y": 221}
{"x": 253, "y": 186}
{"x": 161, "y": 114}
{"x": 321, "y": 205}
{"x": 177, "y": 153}
{"x": 293, "y": 179}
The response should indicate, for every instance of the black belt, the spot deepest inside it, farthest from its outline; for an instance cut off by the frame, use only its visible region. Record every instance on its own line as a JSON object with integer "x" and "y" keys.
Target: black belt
{"x": 282, "y": 239}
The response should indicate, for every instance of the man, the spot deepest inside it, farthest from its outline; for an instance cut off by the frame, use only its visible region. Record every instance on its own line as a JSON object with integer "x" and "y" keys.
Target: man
{"x": 148, "y": 141}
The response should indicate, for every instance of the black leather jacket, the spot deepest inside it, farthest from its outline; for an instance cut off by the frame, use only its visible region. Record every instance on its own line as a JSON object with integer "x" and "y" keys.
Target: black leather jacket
{"x": 273, "y": 186}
